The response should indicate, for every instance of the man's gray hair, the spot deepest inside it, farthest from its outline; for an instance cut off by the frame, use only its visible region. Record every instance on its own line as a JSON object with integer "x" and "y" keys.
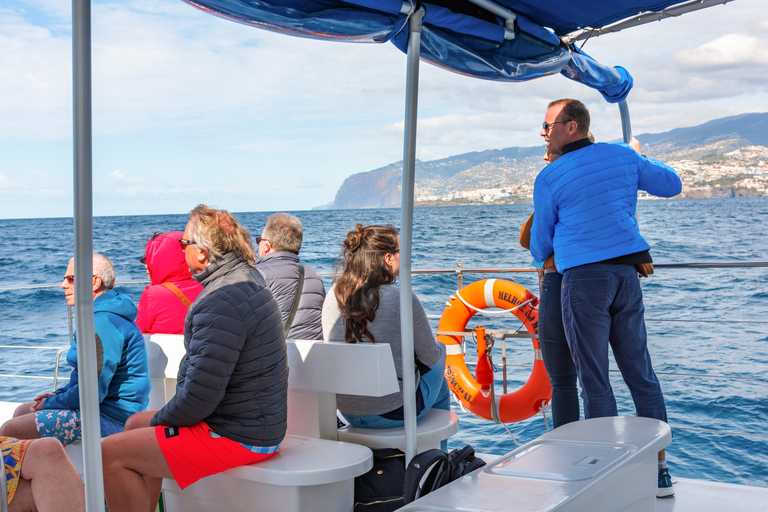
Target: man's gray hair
{"x": 102, "y": 267}
{"x": 284, "y": 233}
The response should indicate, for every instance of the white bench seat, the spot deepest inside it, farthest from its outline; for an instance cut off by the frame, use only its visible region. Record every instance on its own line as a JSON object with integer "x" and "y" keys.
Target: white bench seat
{"x": 316, "y": 465}
{"x": 435, "y": 426}
{"x": 306, "y": 474}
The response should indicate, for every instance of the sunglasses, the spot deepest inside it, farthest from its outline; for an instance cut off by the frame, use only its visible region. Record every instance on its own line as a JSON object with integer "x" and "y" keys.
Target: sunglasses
{"x": 184, "y": 243}
{"x": 548, "y": 126}
{"x": 71, "y": 278}
{"x": 260, "y": 239}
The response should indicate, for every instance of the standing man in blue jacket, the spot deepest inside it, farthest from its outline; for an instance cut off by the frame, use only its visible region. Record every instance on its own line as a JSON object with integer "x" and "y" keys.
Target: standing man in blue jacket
{"x": 585, "y": 204}
{"x": 278, "y": 263}
{"x": 123, "y": 371}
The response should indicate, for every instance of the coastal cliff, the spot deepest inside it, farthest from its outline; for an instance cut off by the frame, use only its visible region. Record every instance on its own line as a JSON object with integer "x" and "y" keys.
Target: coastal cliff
{"x": 725, "y": 157}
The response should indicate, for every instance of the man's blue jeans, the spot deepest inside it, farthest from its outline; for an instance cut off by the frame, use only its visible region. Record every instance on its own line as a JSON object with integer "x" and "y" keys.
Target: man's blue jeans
{"x": 602, "y": 304}
{"x": 556, "y": 354}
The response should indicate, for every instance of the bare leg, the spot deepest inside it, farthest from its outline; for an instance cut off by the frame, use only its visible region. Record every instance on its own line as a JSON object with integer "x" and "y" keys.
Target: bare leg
{"x": 49, "y": 479}
{"x": 154, "y": 485}
{"x": 25, "y": 408}
{"x": 139, "y": 420}
{"x": 22, "y": 500}
{"x": 21, "y": 427}
{"x": 662, "y": 455}
{"x": 132, "y": 459}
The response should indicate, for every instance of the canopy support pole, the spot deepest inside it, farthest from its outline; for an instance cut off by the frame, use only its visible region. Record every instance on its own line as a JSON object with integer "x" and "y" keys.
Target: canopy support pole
{"x": 406, "y": 233}
{"x": 626, "y": 125}
{"x": 83, "y": 221}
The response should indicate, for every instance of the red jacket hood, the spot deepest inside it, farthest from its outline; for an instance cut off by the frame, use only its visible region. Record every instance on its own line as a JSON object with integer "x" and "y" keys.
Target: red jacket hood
{"x": 165, "y": 259}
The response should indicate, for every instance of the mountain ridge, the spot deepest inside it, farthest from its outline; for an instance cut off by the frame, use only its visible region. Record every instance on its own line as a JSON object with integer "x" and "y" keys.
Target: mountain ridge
{"x": 506, "y": 175}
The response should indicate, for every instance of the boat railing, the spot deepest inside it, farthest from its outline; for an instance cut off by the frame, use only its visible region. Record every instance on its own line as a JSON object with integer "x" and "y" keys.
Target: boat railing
{"x": 495, "y": 334}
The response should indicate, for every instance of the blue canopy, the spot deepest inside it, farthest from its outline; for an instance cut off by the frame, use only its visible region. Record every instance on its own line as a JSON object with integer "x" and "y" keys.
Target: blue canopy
{"x": 512, "y": 40}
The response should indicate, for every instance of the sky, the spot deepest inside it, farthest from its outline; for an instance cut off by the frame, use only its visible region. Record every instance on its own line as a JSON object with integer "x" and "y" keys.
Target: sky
{"x": 189, "y": 108}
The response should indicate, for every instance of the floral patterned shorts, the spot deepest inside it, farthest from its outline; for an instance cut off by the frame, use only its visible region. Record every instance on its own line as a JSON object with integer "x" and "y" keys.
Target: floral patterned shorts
{"x": 64, "y": 425}
{"x": 13, "y": 454}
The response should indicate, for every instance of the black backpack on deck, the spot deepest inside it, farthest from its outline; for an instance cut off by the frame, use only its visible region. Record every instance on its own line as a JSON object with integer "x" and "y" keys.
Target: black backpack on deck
{"x": 433, "y": 469}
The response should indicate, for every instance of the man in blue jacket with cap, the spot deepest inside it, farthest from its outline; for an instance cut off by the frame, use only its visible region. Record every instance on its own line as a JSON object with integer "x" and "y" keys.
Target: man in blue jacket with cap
{"x": 585, "y": 204}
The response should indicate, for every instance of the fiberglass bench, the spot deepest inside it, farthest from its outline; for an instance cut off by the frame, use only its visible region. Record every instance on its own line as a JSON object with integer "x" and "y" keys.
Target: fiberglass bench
{"x": 316, "y": 465}
{"x": 596, "y": 465}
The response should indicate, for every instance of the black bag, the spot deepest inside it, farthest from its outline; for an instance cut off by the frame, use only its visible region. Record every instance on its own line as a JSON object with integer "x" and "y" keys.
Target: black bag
{"x": 433, "y": 469}
{"x": 381, "y": 488}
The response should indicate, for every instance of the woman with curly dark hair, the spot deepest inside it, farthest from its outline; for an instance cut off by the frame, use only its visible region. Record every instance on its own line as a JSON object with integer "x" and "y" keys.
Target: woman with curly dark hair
{"x": 364, "y": 306}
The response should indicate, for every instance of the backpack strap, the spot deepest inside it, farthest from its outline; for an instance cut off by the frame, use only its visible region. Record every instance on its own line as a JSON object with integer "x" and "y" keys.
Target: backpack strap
{"x": 178, "y": 293}
{"x": 426, "y": 472}
{"x": 296, "y": 299}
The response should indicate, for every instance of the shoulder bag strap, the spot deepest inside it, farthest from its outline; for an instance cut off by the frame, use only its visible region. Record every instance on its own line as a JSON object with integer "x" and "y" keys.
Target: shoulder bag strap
{"x": 296, "y": 299}
{"x": 178, "y": 293}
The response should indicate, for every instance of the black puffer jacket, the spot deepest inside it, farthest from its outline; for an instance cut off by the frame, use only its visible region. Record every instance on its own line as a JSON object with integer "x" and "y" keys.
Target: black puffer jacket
{"x": 281, "y": 272}
{"x": 234, "y": 375}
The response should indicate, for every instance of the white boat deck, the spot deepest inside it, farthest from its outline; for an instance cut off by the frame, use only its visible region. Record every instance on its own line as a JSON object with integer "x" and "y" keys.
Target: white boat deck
{"x": 703, "y": 496}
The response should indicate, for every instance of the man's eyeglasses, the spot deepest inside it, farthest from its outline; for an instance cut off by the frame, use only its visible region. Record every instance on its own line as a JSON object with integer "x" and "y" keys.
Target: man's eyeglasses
{"x": 260, "y": 239}
{"x": 71, "y": 278}
{"x": 548, "y": 126}
{"x": 184, "y": 243}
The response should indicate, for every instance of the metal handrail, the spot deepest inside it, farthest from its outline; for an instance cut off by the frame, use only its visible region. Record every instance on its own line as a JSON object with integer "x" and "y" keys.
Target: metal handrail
{"x": 461, "y": 270}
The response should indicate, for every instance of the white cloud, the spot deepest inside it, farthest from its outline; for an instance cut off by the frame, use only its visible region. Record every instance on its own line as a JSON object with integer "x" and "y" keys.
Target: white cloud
{"x": 758, "y": 25}
{"x": 726, "y": 52}
{"x": 117, "y": 175}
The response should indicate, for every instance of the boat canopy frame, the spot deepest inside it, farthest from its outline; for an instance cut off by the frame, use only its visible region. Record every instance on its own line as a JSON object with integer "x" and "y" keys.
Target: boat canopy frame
{"x": 502, "y": 40}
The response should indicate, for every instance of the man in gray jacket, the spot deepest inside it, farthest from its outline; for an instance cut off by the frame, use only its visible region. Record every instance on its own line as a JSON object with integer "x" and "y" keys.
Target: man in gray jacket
{"x": 279, "y": 246}
{"x": 230, "y": 407}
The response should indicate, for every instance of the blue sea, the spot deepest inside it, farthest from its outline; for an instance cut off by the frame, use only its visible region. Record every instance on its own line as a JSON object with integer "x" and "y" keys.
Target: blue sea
{"x": 712, "y": 358}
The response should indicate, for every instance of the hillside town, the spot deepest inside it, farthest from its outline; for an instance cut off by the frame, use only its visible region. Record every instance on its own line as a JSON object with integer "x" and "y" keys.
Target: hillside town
{"x": 710, "y": 171}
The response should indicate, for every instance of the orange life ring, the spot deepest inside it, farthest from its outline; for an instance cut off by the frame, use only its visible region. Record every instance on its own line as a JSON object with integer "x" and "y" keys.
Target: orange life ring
{"x": 517, "y": 405}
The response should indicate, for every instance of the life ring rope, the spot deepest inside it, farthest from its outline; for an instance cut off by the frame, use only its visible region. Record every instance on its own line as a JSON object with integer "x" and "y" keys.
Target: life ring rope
{"x": 510, "y": 310}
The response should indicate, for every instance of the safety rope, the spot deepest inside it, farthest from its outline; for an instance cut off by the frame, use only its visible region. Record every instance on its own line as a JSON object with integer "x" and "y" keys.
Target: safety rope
{"x": 470, "y": 306}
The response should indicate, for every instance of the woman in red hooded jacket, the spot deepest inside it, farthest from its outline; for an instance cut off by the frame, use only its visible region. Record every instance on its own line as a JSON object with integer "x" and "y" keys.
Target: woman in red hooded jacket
{"x": 164, "y": 303}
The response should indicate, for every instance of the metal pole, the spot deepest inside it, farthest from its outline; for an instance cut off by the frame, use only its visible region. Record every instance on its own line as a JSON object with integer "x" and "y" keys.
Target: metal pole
{"x": 3, "y": 492}
{"x": 83, "y": 208}
{"x": 406, "y": 234}
{"x": 626, "y": 125}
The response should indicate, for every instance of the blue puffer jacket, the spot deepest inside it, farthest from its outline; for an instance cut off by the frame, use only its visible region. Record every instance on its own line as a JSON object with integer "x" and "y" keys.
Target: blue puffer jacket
{"x": 585, "y": 204}
{"x": 123, "y": 371}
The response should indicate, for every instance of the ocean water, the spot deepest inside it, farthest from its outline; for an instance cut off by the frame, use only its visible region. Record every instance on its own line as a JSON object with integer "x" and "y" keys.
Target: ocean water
{"x": 708, "y": 328}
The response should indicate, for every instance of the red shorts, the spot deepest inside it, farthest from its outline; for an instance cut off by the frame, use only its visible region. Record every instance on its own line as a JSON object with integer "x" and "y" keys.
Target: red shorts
{"x": 196, "y": 452}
